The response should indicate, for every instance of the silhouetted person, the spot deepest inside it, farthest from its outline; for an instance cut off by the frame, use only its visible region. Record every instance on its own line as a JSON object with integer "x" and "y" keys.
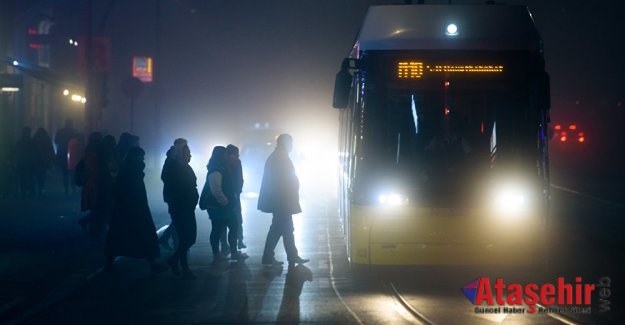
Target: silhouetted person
{"x": 44, "y": 158}
{"x": 131, "y": 231}
{"x": 234, "y": 163}
{"x": 61, "y": 139}
{"x": 96, "y": 196}
{"x": 75, "y": 153}
{"x": 25, "y": 156}
{"x": 236, "y": 171}
{"x": 126, "y": 141}
{"x": 279, "y": 195}
{"x": 109, "y": 154}
{"x": 220, "y": 204}
{"x": 180, "y": 193}
{"x": 170, "y": 160}
{"x": 6, "y": 165}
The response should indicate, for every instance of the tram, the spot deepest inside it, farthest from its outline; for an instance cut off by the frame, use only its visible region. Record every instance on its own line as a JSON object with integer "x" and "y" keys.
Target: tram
{"x": 444, "y": 113}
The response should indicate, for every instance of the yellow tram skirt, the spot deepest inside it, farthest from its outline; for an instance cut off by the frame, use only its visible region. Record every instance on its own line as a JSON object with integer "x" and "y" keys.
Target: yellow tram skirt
{"x": 403, "y": 235}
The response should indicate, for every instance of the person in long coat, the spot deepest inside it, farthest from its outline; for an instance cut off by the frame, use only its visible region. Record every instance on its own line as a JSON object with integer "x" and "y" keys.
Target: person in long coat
{"x": 279, "y": 195}
{"x": 96, "y": 195}
{"x": 180, "y": 193}
{"x": 131, "y": 231}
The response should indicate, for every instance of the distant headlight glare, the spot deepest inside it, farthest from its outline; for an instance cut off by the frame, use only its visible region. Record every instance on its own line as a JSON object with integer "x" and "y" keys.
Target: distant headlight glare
{"x": 392, "y": 199}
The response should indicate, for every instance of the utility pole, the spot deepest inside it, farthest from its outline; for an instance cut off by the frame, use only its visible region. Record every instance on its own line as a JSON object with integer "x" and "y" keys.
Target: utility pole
{"x": 157, "y": 75}
{"x": 91, "y": 115}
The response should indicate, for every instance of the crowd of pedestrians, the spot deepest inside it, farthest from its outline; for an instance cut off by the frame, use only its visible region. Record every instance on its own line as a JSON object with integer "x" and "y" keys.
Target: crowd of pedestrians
{"x": 110, "y": 176}
{"x": 25, "y": 164}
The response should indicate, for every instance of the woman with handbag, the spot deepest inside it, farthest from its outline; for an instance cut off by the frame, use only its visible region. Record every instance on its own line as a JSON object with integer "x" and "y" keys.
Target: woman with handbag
{"x": 219, "y": 199}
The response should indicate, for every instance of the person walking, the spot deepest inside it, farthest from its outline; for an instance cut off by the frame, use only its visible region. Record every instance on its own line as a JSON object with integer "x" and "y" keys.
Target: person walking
{"x": 279, "y": 195}
{"x": 6, "y": 164}
{"x": 25, "y": 159}
{"x": 97, "y": 186}
{"x": 44, "y": 158}
{"x": 75, "y": 153}
{"x": 131, "y": 231}
{"x": 180, "y": 194}
{"x": 236, "y": 170}
{"x": 170, "y": 162}
{"x": 61, "y": 139}
{"x": 219, "y": 204}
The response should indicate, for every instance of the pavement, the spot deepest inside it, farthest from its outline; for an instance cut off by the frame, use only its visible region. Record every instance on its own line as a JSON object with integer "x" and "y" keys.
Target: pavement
{"x": 230, "y": 291}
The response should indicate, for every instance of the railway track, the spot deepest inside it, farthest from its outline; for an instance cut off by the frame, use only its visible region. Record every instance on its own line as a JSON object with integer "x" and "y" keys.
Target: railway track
{"x": 420, "y": 318}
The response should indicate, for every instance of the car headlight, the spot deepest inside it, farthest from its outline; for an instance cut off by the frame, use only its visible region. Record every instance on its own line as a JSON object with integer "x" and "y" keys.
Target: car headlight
{"x": 392, "y": 199}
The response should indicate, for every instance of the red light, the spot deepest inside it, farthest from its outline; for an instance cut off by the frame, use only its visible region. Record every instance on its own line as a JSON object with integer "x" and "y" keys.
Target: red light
{"x": 563, "y": 138}
{"x": 446, "y": 84}
{"x": 446, "y": 110}
{"x": 557, "y": 127}
{"x": 32, "y": 31}
{"x": 581, "y": 134}
{"x": 572, "y": 127}
{"x": 482, "y": 127}
{"x": 581, "y": 139}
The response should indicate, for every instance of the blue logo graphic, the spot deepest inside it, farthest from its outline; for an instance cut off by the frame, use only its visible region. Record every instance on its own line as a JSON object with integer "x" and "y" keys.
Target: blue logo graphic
{"x": 470, "y": 290}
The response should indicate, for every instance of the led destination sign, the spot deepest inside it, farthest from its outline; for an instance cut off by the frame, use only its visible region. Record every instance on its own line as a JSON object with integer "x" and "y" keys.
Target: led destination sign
{"x": 416, "y": 69}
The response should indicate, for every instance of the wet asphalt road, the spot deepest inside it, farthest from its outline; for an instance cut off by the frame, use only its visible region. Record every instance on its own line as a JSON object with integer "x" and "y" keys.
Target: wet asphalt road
{"x": 49, "y": 272}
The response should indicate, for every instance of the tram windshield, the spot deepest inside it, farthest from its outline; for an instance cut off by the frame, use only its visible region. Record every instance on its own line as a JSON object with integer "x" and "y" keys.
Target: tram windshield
{"x": 439, "y": 145}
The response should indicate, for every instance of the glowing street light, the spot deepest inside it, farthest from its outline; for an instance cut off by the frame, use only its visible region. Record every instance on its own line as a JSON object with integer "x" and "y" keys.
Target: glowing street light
{"x": 9, "y": 89}
{"x": 451, "y": 30}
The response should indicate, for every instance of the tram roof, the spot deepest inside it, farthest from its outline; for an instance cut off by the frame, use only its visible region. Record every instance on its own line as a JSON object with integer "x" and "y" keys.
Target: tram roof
{"x": 423, "y": 27}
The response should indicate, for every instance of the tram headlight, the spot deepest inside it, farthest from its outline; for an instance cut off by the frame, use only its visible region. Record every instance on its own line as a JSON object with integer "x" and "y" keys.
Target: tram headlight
{"x": 511, "y": 200}
{"x": 392, "y": 199}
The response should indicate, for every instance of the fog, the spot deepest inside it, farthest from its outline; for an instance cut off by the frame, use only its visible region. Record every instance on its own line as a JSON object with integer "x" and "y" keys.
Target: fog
{"x": 222, "y": 67}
